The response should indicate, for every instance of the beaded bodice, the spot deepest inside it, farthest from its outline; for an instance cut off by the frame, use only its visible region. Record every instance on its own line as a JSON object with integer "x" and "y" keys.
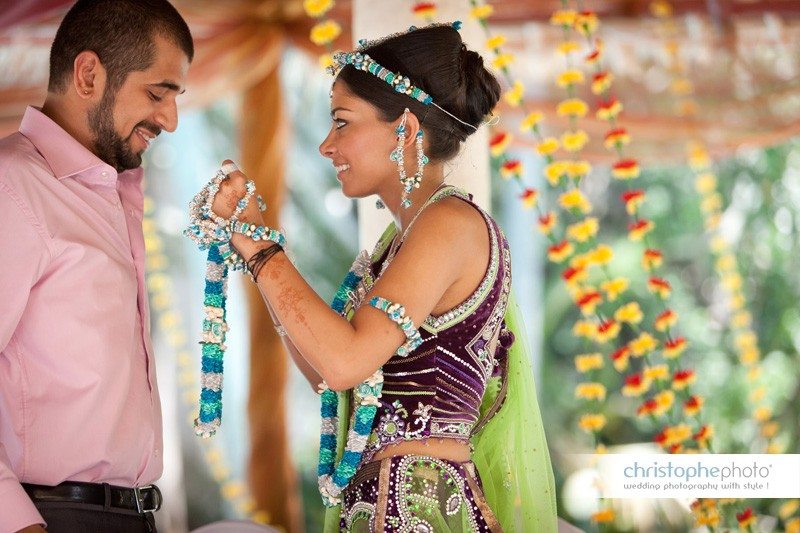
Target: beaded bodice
{"x": 436, "y": 390}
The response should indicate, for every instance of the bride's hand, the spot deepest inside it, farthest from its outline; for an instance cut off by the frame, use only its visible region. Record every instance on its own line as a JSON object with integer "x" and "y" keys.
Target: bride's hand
{"x": 230, "y": 192}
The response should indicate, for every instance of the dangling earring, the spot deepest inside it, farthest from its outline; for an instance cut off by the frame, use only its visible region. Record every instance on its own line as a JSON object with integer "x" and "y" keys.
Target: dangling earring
{"x": 397, "y": 156}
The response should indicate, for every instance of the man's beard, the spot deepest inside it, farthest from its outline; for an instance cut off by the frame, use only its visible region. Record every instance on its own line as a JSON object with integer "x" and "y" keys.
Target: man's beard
{"x": 108, "y": 144}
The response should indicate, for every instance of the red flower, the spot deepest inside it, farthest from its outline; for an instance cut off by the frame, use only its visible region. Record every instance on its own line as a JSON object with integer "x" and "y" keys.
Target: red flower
{"x": 683, "y": 378}
{"x": 647, "y": 407}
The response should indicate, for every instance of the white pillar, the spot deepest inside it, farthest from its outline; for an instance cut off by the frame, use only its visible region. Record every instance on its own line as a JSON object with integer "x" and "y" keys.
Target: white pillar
{"x": 470, "y": 170}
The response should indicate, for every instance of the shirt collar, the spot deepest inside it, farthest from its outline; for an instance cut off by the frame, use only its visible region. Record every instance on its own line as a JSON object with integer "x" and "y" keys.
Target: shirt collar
{"x": 63, "y": 153}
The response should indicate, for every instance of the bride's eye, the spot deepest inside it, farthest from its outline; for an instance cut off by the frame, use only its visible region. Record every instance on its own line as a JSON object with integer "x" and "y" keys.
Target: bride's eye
{"x": 339, "y": 123}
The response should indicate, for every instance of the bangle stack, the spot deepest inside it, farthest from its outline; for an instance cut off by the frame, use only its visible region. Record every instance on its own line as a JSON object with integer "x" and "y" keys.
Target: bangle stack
{"x": 213, "y": 233}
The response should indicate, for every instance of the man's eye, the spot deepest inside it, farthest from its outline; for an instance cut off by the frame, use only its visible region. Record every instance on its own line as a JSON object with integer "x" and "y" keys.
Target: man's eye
{"x": 154, "y": 97}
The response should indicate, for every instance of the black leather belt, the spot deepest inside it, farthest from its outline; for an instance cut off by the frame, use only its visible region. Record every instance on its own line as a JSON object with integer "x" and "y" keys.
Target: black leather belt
{"x": 140, "y": 500}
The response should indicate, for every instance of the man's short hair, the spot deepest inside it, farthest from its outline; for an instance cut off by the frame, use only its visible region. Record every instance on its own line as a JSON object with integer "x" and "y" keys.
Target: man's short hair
{"x": 121, "y": 33}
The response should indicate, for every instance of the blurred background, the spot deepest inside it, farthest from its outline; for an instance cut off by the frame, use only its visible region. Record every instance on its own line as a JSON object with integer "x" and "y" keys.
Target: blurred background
{"x": 709, "y": 87}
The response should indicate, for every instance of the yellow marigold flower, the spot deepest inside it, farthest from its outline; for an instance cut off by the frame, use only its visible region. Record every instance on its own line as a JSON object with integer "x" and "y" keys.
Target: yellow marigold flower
{"x": 746, "y": 339}
{"x": 775, "y": 448}
{"x": 711, "y": 203}
{"x": 317, "y": 8}
{"x": 712, "y": 222}
{"x": 559, "y": 252}
{"x": 572, "y": 107}
{"x": 574, "y": 141}
{"x": 737, "y": 302}
{"x": 603, "y": 517}
{"x": 643, "y": 344}
{"x": 732, "y": 282}
{"x": 630, "y": 313}
{"x": 547, "y": 222}
{"x": 580, "y": 261}
{"x": 726, "y": 262}
{"x": 698, "y": 156}
{"x": 495, "y": 41}
{"x": 677, "y": 434}
{"x": 609, "y": 110}
{"x": 592, "y": 422}
{"x": 586, "y": 362}
{"x": 325, "y": 61}
{"x": 547, "y": 146}
{"x": 673, "y": 348}
{"x": 793, "y": 525}
{"x": 770, "y": 429}
{"x": 502, "y": 61}
{"x": 664, "y": 401}
{"x": 657, "y": 372}
{"x": 718, "y": 244}
{"x": 607, "y": 331}
{"x": 601, "y": 82}
{"x": 584, "y": 328}
{"x": 602, "y": 255}
{"x": 587, "y": 22}
{"x": 750, "y": 356}
{"x": 578, "y": 169}
{"x": 574, "y": 199}
{"x": 481, "y": 12}
{"x": 614, "y": 287}
{"x": 666, "y": 320}
{"x": 591, "y": 391}
{"x": 563, "y": 17}
{"x": 762, "y": 414}
{"x": 705, "y": 183}
{"x": 515, "y": 94}
{"x": 754, "y": 373}
{"x": 757, "y": 394}
{"x": 584, "y": 230}
{"x": 530, "y": 122}
{"x": 569, "y": 77}
{"x": 788, "y": 509}
{"x": 567, "y": 47}
{"x": 499, "y": 143}
{"x": 682, "y": 87}
{"x": 325, "y": 32}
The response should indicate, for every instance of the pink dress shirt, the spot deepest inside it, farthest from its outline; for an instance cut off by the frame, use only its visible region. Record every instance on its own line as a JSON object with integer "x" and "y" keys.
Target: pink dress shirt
{"x": 78, "y": 393}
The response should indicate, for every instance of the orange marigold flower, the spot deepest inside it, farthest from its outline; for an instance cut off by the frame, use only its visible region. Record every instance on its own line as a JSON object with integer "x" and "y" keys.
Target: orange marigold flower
{"x": 630, "y": 313}
{"x": 620, "y": 359}
{"x": 601, "y": 82}
{"x": 659, "y": 286}
{"x": 584, "y": 328}
{"x": 559, "y": 252}
{"x": 574, "y": 107}
{"x": 547, "y": 222}
{"x": 683, "y": 378}
{"x": 637, "y": 230}
{"x": 588, "y": 302}
{"x": 613, "y": 288}
{"x": 573, "y": 275}
{"x": 609, "y": 110}
{"x": 793, "y": 525}
{"x": 574, "y": 199}
{"x": 636, "y": 385}
{"x": 607, "y": 330}
{"x": 511, "y": 168}
{"x": 648, "y": 407}
{"x": 601, "y": 255}
{"x": 672, "y": 435}
{"x": 746, "y": 518}
{"x": 643, "y": 344}
{"x": 657, "y": 372}
{"x": 587, "y": 22}
{"x": 693, "y": 405}
{"x": 528, "y": 197}
{"x": 426, "y": 10}
{"x": 674, "y": 347}
{"x": 604, "y": 516}
{"x": 632, "y": 200}
{"x": 591, "y": 391}
{"x": 592, "y": 422}
{"x": 666, "y": 320}
{"x": 626, "y": 169}
{"x": 652, "y": 259}
{"x": 664, "y": 402}
{"x": 616, "y": 138}
{"x": 589, "y": 361}
{"x": 584, "y": 230}
{"x": 499, "y": 143}
{"x": 703, "y": 435}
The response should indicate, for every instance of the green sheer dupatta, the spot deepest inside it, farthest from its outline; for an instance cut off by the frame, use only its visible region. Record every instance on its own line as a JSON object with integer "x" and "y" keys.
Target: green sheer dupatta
{"x": 511, "y": 452}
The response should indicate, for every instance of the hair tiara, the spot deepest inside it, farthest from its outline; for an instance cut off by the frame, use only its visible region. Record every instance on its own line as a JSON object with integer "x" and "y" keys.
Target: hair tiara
{"x": 401, "y": 84}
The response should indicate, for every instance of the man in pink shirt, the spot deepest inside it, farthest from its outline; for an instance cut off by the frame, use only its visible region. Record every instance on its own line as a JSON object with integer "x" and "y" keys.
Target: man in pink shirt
{"x": 80, "y": 419}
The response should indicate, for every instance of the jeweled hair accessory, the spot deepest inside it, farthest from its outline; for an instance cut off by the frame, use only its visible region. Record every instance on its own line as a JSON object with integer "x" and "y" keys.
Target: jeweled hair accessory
{"x": 401, "y": 84}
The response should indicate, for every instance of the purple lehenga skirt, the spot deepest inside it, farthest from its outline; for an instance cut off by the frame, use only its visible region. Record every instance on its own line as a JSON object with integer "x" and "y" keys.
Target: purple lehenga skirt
{"x": 419, "y": 494}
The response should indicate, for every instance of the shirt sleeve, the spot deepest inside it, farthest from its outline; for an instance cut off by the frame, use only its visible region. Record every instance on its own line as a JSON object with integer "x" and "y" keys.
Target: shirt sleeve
{"x": 23, "y": 254}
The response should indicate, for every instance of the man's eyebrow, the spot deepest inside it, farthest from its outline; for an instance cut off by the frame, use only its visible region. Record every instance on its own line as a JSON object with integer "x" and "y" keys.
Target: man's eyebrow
{"x": 172, "y": 86}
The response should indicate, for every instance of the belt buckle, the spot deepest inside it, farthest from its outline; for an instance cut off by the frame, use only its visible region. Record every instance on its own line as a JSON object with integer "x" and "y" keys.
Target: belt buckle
{"x": 139, "y": 497}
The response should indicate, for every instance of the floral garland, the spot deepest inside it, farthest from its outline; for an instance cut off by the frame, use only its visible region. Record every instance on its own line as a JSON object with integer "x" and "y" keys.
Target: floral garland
{"x": 325, "y": 31}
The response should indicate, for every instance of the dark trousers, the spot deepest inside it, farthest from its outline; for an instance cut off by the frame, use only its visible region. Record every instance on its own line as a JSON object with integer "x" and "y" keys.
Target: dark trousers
{"x": 88, "y": 518}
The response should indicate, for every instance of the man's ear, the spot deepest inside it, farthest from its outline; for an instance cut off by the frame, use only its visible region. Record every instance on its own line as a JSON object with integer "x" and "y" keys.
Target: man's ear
{"x": 88, "y": 76}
